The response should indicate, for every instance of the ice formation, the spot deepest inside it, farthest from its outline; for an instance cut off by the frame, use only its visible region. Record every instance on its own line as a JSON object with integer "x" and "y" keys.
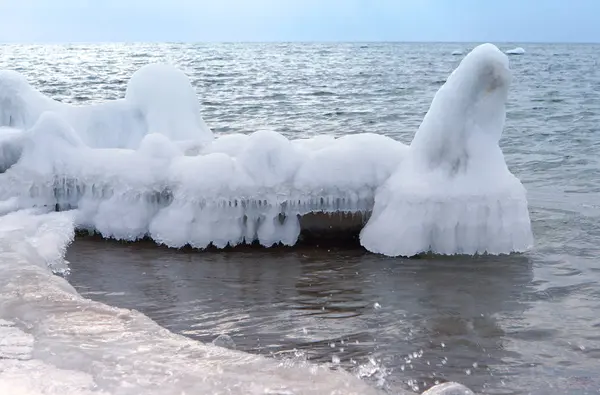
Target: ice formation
{"x": 516, "y": 51}
{"x": 457, "y": 52}
{"x": 159, "y": 99}
{"x": 237, "y": 189}
{"x": 147, "y": 165}
{"x": 453, "y": 193}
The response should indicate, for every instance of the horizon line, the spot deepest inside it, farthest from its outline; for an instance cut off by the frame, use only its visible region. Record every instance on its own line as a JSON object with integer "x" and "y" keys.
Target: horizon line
{"x": 75, "y": 42}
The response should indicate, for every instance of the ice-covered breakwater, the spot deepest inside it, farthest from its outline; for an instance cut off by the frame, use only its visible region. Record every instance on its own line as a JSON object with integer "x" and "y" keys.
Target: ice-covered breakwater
{"x": 148, "y": 165}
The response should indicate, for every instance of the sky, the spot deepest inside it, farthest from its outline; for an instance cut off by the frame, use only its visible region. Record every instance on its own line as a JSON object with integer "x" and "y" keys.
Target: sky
{"x": 62, "y": 21}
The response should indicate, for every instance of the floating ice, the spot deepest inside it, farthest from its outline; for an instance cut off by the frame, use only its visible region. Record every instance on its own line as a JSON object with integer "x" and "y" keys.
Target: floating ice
{"x": 449, "y": 389}
{"x": 457, "y": 52}
{"x": 516, "y": 51}
{"x": 453, "y": 193}
{"x": 159, "y": 99}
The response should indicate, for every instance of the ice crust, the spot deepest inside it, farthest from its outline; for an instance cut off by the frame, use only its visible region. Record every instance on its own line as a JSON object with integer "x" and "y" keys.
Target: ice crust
{"x": 453, "y": 193}
{"x": 148, "y": 166}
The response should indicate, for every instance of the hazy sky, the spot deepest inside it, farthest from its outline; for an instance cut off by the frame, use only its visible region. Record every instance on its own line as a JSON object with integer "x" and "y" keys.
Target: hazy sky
{"x": 299, "y": 20}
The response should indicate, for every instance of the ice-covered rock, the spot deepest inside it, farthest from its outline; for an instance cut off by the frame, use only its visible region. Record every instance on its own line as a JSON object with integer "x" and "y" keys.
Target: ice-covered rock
{"x": 453, "y": 193}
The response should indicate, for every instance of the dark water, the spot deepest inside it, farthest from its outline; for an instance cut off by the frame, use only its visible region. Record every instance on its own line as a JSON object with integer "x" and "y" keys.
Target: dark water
{"x": 512, "y": 325}
{"x": 492, "y": 323}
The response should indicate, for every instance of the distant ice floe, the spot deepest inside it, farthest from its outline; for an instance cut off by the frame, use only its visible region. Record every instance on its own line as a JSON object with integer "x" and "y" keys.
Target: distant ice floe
{"x": 516, "y": 51}
{"x": 457, "y": 52}
{"x": 148, "y": 166}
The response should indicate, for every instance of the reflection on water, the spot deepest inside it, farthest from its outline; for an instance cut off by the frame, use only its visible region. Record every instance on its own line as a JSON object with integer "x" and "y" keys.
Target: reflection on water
{"x": 421, "y": 320}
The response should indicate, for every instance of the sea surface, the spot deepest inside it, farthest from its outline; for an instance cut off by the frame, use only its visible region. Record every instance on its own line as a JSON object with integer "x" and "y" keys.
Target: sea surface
{"x": 521, "y": 324}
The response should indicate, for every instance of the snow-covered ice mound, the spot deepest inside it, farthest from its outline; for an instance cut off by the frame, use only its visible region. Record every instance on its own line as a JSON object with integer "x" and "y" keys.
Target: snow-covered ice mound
{"x": 159, "y": 99}
{"x": 237, "y": 189}
{"x": 55, "y": 342}
{"x": 147, "y": 165}
{"x": 516, "y": 51}
{"x": 453, "y": 193}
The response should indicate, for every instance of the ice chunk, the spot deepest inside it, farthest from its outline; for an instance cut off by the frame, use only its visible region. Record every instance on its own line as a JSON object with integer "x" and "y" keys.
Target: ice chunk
{"x": 159, "y": 99}
{"x": 270, "y": 159}
{"x": 20, "y": 104}
{"x": 230, "y": 144}
{"x": 516, "y": 51}
{"x": 370, "y": 158}
{"x": 11, "y": 147}
{"x": 457, "y": 52}
{"x": 449, "y": 389}
{"x": 168, "y": 102}
{"x": 224, "y": 341}
{"x": 453, "y": 193}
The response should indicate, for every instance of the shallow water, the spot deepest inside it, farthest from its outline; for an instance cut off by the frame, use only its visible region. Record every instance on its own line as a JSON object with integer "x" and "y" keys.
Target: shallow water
{"x": 511, "y": 325}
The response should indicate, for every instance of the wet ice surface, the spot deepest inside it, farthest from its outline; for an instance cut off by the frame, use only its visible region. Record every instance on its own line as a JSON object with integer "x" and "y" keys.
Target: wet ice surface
{"x": 494, "y": 324}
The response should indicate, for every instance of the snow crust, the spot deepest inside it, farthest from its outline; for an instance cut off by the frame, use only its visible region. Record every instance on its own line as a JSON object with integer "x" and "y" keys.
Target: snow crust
{"x": 516, "y": 51}
{"x": 55, "y": 342}
{"x": 453, "y": 193}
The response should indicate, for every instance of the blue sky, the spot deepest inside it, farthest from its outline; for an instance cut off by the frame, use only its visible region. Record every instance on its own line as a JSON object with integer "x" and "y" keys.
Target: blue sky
{"x": 300, "y": 20}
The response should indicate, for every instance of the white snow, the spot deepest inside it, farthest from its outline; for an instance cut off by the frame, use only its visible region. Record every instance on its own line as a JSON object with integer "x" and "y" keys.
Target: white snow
{"x": 453, "y": 193}
{"x": 516, "y": 51}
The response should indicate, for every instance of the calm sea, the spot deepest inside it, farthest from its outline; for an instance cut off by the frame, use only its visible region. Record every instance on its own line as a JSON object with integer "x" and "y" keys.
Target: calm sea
{"x": 525, "y": 324}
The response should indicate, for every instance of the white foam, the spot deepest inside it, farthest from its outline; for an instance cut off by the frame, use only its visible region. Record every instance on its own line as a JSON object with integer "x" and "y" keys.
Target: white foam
{"x": 453, "y": 193}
